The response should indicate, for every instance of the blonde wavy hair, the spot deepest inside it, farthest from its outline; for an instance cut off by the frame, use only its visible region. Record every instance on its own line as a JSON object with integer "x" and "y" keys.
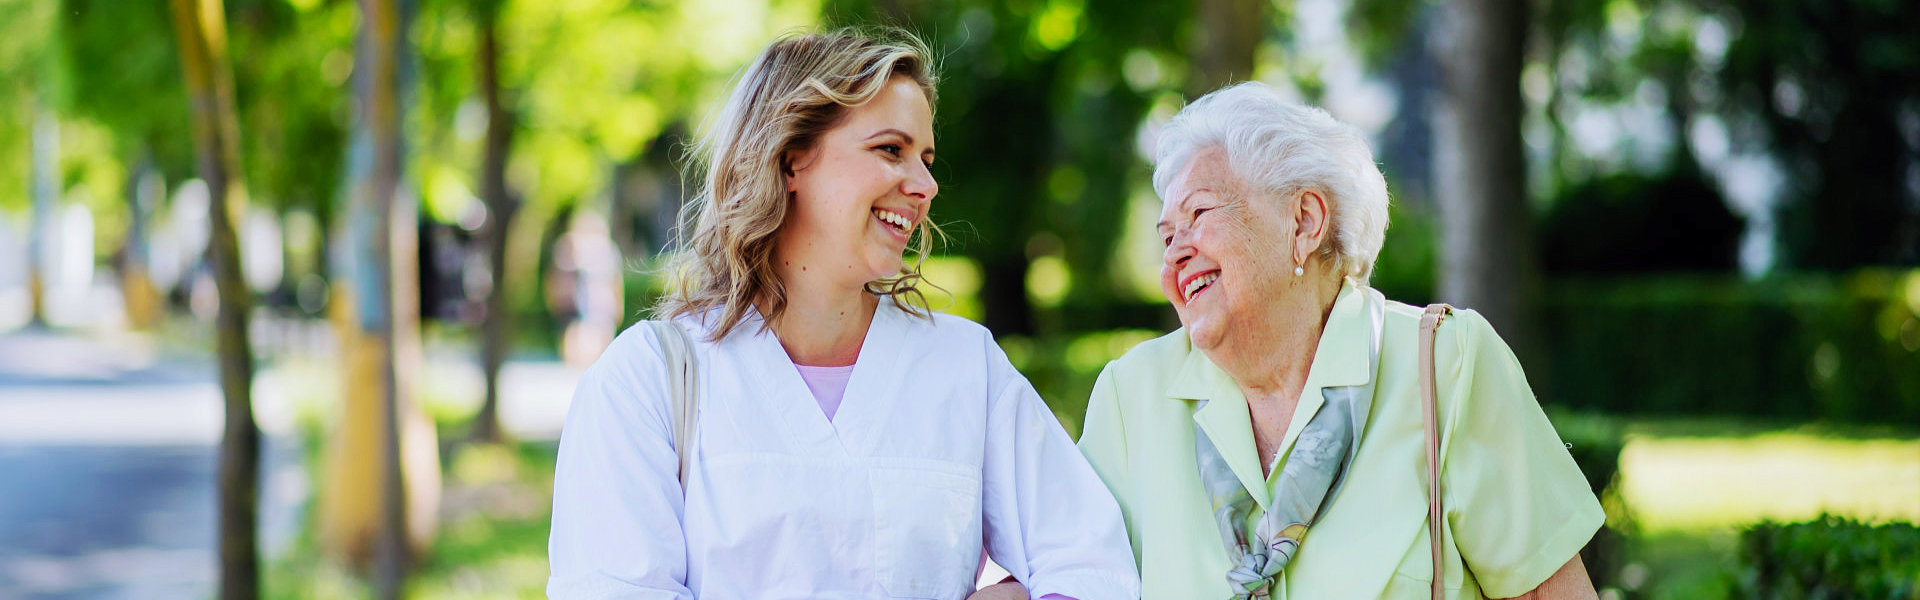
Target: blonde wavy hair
{"x": 783, "y": 103}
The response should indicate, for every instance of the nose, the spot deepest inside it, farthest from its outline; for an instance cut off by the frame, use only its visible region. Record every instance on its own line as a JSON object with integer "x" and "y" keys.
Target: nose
{"x": 1179, "y": 251}
{"x": 919, "y": 182}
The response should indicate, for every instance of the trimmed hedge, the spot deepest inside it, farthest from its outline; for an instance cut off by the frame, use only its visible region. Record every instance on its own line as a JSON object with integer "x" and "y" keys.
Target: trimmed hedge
{"x": 1832, "y": 558}
{"x": 1840, "y": 348}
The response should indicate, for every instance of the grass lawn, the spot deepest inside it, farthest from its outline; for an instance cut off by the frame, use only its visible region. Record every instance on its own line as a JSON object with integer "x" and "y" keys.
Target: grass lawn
{"x": 1689, "y": 487}
{"x": 492, "y": 541}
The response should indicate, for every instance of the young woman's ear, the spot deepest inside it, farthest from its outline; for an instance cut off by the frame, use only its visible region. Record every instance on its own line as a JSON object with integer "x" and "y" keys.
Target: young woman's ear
{"x": 793, "y": 162}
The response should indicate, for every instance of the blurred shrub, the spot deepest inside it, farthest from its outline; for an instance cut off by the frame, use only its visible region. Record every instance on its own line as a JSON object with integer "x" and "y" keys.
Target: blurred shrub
{"x": 1841, "y": 348}
{"x": 1830, "y": 557}
{"x": 1632, "y": 223}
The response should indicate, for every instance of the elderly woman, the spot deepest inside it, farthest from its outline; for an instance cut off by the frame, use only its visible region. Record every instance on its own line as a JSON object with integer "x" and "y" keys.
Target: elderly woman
{"x": 1273, "y": 446}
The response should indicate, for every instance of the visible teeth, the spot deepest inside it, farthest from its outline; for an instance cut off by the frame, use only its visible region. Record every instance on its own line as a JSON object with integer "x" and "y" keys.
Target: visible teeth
{"x": 1194, "y": 286}
{"x": 893, "y": 218}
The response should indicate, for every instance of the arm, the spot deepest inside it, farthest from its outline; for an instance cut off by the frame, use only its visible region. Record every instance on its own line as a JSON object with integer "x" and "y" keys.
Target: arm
{"x": 1569, "y": 583}
{"x": 1005, "y": 590}
{"x": 1049, "y": 520}
{"x": 1517, "y": 504}
{"x": 616, "y": 494}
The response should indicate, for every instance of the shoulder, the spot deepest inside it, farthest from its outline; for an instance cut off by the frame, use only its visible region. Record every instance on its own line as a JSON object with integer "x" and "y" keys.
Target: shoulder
{"x": 1162, "y": 353}
{"x": 1461, "y": 333}
{"x": 631, "y": 351}
{"x": 951, "y": 326}
{"x": 630, "y": 373}
{"x": 1147, "y": 369}
{"x": 944, "y": 334}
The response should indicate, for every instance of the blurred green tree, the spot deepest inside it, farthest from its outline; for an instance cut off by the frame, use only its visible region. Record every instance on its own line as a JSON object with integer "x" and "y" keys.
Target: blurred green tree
{"x": 1832, "y": 90}
{"x": 151, "y": 135}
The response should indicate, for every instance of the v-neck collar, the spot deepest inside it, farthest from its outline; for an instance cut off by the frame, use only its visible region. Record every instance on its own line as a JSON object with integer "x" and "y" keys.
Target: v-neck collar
{"x": 1342, "y": 359}
{"x": 785, "y": 396}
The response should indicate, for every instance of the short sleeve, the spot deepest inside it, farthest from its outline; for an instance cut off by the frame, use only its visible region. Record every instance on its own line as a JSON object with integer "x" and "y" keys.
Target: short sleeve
{"x": 1103, "y": 440}
{"x": 1517, "y": 503}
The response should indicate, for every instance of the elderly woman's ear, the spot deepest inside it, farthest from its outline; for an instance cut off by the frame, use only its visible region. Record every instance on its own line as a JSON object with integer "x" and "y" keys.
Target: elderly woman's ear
{"x": 1312, "y": 220}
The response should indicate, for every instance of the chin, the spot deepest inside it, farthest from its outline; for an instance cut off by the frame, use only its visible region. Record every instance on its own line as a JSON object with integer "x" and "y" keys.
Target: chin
{"x": 1203, "y": 334}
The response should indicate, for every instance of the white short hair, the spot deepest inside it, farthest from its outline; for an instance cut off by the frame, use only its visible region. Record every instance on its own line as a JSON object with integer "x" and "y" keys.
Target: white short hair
{"x": 1278, "y": 149}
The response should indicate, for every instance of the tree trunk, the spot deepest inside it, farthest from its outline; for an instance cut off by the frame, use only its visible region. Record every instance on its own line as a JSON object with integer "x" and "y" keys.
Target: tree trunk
{"x": 201, "y": 30}
{"x": 384, "y": 268}
{"x": 1487, "y": 250}
{"x": 1229, "y": 35}
{"x": 500, "y": 211}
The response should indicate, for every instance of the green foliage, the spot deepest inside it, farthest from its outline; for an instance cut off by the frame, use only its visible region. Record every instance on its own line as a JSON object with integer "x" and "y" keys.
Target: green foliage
{"x": 1839, "y": 348}
{"x": 142, "y": 98}
{"x": 1831, "y": 88}
{"x": 1063, "y": 368}
{"x": 291, "y": 65}
{"x": 1831, "y": 557}
{"x": 26, "y": 65}
{"x": 1408, "y": 265}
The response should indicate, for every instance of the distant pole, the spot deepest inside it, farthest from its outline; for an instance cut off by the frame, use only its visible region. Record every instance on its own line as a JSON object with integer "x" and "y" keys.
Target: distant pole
{"x": 45, "y": 188}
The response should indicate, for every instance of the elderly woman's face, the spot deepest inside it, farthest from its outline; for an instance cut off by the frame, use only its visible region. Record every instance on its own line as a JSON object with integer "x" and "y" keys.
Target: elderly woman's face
{"x": 1226, "y": 256}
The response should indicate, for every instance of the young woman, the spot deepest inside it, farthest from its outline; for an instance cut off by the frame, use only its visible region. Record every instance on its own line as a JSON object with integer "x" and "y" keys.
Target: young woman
{"x": 849, "y": 445}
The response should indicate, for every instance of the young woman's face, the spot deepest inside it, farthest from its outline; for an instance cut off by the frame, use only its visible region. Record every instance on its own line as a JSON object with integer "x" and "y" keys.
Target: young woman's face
{"x": 863, "y": 187}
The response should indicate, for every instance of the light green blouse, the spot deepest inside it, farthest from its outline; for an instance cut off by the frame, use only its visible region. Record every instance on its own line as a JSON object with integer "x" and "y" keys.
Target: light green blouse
{"x": 1517, "y": 506}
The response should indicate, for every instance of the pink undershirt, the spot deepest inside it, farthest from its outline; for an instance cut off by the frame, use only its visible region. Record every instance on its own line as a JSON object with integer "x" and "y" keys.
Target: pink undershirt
{"x": 829, "y": 386}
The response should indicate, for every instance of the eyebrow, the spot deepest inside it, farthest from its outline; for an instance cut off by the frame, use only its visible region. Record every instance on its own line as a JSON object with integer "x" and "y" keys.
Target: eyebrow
{"x": 903, "y": 135}
{"x": 1182, "y": 203}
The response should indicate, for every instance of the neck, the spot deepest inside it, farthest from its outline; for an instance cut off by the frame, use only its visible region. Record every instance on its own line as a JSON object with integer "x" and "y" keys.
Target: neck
{"x": 1270, "y": 357}
{"x": 825, "y": 321}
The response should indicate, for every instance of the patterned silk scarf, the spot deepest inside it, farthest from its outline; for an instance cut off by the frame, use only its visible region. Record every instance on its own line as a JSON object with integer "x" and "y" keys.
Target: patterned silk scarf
{"x": 1307, "y": 483}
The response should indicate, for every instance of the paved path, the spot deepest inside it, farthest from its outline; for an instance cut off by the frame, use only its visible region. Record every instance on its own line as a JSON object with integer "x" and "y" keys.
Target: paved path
{"x": 108, "y": 448}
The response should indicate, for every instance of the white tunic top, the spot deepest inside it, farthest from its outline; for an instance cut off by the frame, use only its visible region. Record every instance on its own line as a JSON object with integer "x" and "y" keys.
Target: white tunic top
{"x": 938, "y": 446}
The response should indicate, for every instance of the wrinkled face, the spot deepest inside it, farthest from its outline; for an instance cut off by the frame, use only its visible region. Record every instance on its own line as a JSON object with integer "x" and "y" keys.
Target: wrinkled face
{"x": 1226, "y": 254}
{"x": 863, "y": 187}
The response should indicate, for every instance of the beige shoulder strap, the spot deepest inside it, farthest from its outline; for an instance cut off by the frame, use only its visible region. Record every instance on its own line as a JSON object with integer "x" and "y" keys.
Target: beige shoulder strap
{"x": 1429, "y": 413}
{"x": 676, "y": 352}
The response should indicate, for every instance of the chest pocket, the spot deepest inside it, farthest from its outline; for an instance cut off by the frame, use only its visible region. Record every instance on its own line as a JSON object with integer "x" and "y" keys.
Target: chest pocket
{"x": 926, "y": 529}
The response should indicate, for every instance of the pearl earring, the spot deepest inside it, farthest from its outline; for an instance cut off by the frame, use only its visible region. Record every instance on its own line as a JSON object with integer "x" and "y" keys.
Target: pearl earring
{"x": 1298, "y": 271}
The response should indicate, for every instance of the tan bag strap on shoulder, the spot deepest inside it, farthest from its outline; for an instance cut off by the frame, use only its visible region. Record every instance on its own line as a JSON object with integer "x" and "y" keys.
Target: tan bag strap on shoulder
{"x": 1429, "y": 414}
{"x": 676, "y": 353}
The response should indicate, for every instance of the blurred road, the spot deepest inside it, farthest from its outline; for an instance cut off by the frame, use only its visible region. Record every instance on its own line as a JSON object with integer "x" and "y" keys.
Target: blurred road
{"x": 108, "y": 447}
{"x": 107, "y": 457}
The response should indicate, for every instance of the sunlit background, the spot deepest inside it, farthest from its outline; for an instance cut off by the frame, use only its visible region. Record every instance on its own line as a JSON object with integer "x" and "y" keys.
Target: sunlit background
{"x": 1706, "y": 249}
